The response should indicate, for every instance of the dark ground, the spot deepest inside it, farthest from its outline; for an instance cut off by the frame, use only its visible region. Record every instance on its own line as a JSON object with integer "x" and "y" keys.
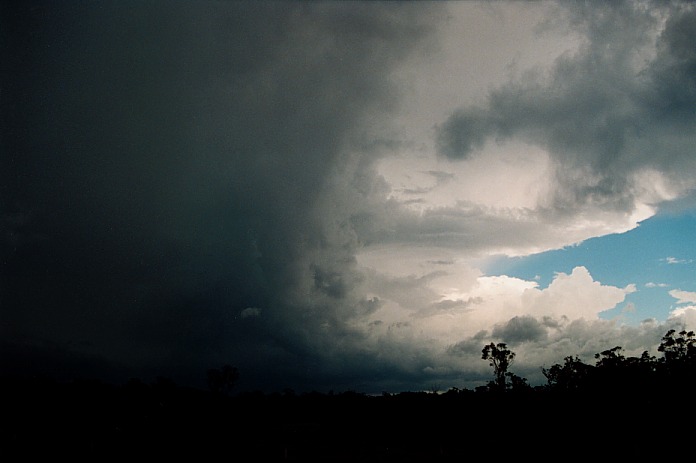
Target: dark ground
{"x": 86, "y": 420}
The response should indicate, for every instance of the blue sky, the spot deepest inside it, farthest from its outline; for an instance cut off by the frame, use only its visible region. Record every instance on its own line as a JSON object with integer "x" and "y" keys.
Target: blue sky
{"x": 657, "y": 256}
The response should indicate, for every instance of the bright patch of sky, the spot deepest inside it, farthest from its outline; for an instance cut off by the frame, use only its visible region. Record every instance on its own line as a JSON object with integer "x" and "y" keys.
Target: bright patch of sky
{"x": 658, "y": 257}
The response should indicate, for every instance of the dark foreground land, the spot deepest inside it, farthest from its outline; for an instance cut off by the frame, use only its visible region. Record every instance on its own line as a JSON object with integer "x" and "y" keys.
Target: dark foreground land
{"x": 91, "y": 421}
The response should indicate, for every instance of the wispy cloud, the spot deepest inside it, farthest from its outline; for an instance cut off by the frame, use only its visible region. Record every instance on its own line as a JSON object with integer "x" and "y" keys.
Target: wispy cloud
{"x": 674, "y": 260}
{"x": 651, "y": 284}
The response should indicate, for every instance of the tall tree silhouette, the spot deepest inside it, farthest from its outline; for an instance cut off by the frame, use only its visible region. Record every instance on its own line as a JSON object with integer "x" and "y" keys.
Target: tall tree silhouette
{"x": 500, "y": 358}
{"x": 222, "y": 380}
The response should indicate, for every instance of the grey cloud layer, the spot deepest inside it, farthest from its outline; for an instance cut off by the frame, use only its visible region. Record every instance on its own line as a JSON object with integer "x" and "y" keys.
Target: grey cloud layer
{"x": 620, "y": 103}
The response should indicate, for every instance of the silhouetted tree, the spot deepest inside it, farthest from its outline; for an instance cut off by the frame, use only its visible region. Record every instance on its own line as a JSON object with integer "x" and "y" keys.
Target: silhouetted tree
{"x": 222, "y": 381}
{"x": 500, "y": 358}
{"x": 633, "y": 374}
{"x": 677, "y": 367}
{"x": 570, "y": 376}
{"x": 610, "y": 358}
{"x": 612, "y": 369}
{"x": 678, "y": 349}
{"x": 517, "y": 383}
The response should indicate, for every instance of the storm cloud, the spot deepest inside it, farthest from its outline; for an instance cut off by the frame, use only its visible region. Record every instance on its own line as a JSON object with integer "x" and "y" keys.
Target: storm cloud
{"x": 191, "y": 184}
{"x": 611, "y": 113}
{"x": 168, "y": 165}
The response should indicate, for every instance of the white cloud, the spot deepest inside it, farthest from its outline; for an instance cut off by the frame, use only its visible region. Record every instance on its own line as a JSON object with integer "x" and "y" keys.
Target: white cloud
{"x": 686, "y": 315}
{"x": 450, "y": 316}
{"x": 574, "y": 296}
{"x": 683, "y": 297}
{"x": 687, "y": 312}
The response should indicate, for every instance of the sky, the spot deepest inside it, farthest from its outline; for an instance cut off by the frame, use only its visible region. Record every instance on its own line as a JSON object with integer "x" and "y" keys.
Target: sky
{"x": 336, "y": 196}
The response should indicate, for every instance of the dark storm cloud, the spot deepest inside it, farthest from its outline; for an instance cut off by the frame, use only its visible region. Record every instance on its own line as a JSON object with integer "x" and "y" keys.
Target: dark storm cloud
{"x": 167, "y": 202}
{"x": 464, "y": 133}
{"x": 520, "y": 329}
{"x": 469, "y": 347}
{"x": 622, "y": 102}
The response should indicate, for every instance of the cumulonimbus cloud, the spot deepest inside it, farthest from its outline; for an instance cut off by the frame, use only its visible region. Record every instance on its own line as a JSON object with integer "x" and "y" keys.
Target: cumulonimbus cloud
{"x": 192, "y": 185}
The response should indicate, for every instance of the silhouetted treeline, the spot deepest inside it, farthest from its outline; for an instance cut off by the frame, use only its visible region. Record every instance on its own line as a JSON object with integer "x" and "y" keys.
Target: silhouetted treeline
{"x": 620, "y": 406}
{"x": 674, "y": 372}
